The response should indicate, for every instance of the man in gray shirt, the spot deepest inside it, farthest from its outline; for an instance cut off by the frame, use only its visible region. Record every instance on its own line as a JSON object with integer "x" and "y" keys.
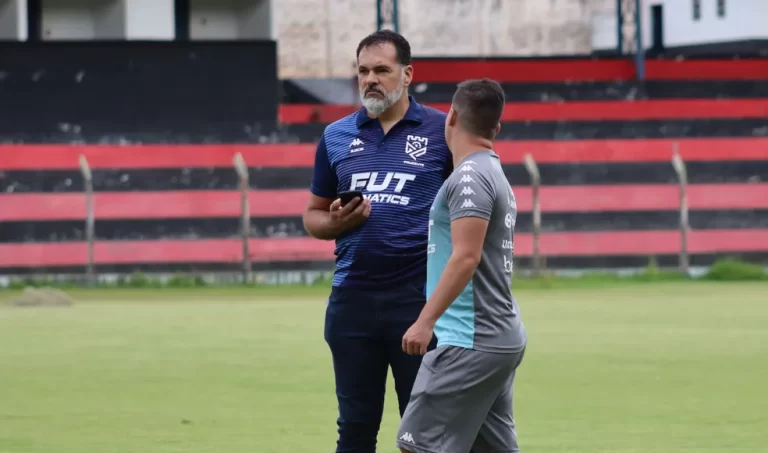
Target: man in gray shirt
{"x": 462, "y": 397}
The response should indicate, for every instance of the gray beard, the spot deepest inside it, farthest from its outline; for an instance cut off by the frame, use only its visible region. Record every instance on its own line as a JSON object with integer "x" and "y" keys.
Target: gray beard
{"x": 376, "y": 106}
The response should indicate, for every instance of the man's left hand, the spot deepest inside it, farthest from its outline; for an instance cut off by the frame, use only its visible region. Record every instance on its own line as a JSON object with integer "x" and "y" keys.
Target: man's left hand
{"x": 417, "y": 338}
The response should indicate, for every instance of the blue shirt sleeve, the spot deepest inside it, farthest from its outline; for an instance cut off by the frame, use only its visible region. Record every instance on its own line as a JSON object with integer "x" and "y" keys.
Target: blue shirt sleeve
{"x": 324, "y": 180}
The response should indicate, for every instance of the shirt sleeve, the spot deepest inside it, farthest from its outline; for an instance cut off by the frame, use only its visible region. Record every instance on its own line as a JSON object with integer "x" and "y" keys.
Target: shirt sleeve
{"x": 324, "y": 180}
{"x": 469, "y": 193}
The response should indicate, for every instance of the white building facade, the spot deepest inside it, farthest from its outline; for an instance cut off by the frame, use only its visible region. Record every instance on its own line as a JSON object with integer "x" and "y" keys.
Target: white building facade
{"x": 317, "y": 38}
{"x": 686, "y": 23}
{"x": 138, "y": 19}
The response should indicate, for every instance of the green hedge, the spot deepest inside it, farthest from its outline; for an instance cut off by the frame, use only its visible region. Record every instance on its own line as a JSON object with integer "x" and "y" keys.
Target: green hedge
{"x": 731, "y": 269}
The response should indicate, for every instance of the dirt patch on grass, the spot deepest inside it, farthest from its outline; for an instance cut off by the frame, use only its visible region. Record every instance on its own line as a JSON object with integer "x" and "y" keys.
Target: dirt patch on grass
{"x": 41, "y": 297}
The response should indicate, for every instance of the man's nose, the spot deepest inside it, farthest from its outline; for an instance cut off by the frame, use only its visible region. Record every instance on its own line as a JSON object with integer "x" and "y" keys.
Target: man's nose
{"x": 371, "y": 79}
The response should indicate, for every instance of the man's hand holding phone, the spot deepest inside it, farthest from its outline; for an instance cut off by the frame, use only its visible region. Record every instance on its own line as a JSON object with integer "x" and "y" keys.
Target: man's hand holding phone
{"x": 350, "y": 210}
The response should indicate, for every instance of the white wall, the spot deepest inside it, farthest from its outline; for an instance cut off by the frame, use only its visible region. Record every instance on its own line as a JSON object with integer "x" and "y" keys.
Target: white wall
{"x": 141, "y": 19}
{"x": 213, "y": 19}
{"x": 149, "y": 19}
{"x": 83, "y": 19}
{"x": 318, "y": 38}
{"x": 744, "y": 20}
{"x": 71, "y": 19}
{"x": 230, "y": 19}
{"x": 13, "y": 20}
{"x": 603, "y": 25}
{"x": 258, "y": 20}
{"x": 108, "y": 19}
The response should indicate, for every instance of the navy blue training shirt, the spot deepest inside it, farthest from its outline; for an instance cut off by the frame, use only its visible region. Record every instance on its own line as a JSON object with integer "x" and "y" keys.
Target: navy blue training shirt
{"x": 401, "y": 174}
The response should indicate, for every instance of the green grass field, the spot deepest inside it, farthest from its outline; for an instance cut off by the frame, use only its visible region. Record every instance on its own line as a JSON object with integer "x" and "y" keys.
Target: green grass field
{"x": 662, "y": 367}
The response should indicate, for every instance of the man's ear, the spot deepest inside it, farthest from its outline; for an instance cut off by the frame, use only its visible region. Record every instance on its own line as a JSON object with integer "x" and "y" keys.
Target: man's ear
{"x": 453, "y": 116}
{"x": 495, "y": 132}
{"x": 408, "y": 74}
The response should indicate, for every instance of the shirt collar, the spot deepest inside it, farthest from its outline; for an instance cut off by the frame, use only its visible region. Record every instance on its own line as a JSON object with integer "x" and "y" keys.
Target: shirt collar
{"x": 413, "y": 114}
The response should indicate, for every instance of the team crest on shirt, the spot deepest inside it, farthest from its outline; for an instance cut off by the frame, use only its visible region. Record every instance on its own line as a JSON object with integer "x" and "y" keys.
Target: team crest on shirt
{"x": 416, "y": 146}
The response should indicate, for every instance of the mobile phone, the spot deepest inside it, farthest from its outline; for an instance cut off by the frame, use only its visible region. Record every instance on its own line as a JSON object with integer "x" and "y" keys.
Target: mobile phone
{"x": 349, "y": 195}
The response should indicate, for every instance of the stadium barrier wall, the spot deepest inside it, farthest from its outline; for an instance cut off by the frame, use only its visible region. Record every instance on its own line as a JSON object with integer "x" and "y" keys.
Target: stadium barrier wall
{"x": 603, "y": 144}
{"x": 604, "y": 204}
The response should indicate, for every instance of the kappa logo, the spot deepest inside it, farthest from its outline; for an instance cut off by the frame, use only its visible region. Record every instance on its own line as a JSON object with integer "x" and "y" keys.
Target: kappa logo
{"x": 466, "y": 179}
{"x": 466, "y": 168}
{"x": 416, "y": 146}
{"x": 467, "y": 191}
{"x": 468, "y": 204}
{"x": 356, "y": 145}
{"x": 407, "y": 437}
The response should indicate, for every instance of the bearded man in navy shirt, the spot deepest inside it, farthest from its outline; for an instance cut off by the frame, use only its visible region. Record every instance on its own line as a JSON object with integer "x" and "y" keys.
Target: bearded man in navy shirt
{"x": 393, "y": 150}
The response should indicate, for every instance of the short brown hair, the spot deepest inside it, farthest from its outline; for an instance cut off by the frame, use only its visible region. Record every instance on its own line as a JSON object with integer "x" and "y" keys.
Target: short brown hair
{"x": 402, "y": 47}
{"x": 479, "y": 104}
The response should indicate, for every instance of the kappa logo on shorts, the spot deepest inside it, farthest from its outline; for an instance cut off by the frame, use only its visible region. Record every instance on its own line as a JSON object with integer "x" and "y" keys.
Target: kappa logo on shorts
{"x": 416, "y": 146}
{"x": 407, "y": 437}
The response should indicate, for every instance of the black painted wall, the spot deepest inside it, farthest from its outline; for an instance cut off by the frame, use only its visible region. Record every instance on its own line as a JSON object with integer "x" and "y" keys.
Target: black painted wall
{"x": 98, "y": 92}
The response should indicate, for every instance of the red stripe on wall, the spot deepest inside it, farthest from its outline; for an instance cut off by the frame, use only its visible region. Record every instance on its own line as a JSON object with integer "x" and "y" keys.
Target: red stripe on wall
{"x": 452, "y": 70}
{"x": 615, "y": 151}
{"x": 580, "y": 70}
{"x": 752, "y": 69}
{"x": 564, "y": 111}
{"x": 641, "y": 243}
{"x": 610, "y": 198}
{"x": 284, "y": 203}
{"x": 65, "y": 157}
{"x": 151, "y": 205}
{"x": 179, "y": 251}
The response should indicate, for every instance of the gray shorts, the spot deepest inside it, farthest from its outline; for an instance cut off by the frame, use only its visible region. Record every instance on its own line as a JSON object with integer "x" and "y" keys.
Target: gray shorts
{"x": 461, "y": 401}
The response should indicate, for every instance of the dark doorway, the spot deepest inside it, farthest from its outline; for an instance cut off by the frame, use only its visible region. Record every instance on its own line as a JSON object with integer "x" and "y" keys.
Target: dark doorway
{"x": 657, "y": 28}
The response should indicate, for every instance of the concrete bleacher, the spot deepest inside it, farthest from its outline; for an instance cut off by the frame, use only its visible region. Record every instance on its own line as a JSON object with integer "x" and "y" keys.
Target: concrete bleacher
{"x": 603, "y": 145}
{"x": 606, "y": 143}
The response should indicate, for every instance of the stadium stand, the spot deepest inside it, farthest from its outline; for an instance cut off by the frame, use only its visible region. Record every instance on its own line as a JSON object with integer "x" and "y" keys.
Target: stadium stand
{"x": 166, "y": 193}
